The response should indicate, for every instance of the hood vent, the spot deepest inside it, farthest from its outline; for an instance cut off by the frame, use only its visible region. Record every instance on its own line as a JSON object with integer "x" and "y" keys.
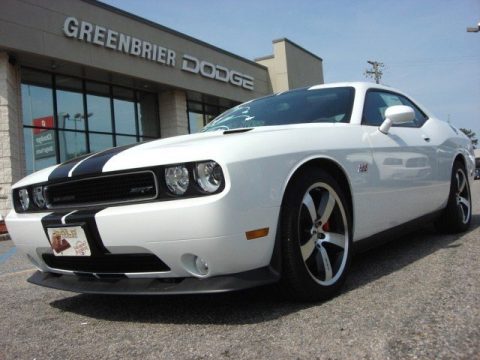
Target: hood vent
{"x": 236, "y": 131}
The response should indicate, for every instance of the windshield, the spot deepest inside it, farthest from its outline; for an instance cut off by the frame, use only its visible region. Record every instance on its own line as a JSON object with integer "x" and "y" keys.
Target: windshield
{"x": 293, "y": 107}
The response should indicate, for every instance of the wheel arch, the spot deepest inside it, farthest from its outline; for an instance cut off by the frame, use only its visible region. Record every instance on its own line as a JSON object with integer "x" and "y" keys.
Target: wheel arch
{"x": 337, "y": 172}
{"x": 459, "y": 157}
{"x": 333, "y": 168}
{"x": 467, "y": 164}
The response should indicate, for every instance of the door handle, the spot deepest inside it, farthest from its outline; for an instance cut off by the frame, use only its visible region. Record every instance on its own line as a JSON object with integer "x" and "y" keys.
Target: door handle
{"x": 426, "y": 138}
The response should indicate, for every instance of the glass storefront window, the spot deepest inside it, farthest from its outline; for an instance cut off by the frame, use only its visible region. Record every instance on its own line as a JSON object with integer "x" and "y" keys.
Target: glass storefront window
{"x": 99, "y": 113}
{"x": 37, "y": 106}
{"x": 148, "y": 124}
{"x": 124, "y": 116}
{"x": 195, "y": 121}
{"x": 84, "y": 118}
{"x": 100, "y": 142}
{"x": 200, "y": 113}
{"x": 124, "y": 109}
{"x": 126, "y": 140}
{"x": 72, "y": 144}
{"x": 40, "y": 150}
{"x": 70, "y": 104}
{"x": 99, "y": 109}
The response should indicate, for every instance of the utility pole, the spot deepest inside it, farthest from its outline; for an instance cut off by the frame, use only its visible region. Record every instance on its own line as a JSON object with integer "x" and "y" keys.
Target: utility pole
{"x": 376, "y": 71}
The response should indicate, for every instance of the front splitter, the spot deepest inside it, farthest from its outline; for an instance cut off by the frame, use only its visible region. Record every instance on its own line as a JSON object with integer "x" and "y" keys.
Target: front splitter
{"x": 152, "y": 286}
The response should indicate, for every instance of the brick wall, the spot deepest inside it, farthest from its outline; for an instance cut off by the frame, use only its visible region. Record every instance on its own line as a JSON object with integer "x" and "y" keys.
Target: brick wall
{"x": 11, "y": 131}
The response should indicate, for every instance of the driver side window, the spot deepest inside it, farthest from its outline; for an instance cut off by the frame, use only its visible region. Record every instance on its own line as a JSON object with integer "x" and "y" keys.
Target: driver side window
{"x": 376, "y": 102}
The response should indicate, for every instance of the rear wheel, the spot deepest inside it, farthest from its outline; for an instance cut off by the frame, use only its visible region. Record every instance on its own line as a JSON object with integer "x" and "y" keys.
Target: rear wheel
{"x": 458, "y": 214}
{"x": 316, "y": 236}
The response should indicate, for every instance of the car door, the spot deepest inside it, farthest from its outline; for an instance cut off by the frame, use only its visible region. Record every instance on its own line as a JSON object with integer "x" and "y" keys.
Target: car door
{"x": 404, "y": 163}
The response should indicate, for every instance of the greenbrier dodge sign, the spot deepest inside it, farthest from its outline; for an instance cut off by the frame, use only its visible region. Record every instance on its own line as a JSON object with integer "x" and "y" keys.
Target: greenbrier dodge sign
{"x": 117, "y": 41}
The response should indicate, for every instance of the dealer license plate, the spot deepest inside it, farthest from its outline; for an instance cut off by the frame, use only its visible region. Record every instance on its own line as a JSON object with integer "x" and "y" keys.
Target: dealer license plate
{"x": 68, "y": 241}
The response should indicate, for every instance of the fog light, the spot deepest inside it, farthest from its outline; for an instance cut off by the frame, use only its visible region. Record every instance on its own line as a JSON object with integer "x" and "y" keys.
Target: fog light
{"x": 177, "y": 179}
{"x": 201, "y": 265}
{"x": 24, "y": 199}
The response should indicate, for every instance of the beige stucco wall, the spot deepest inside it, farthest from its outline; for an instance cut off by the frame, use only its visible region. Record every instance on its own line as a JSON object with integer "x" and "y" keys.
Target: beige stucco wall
{"x": 173, "y": 111}
{"x": 303, "y": 68}
{"x": 291, "y": 66}
{"x": 277, "y": 67}
{"x": 35, "y": 27}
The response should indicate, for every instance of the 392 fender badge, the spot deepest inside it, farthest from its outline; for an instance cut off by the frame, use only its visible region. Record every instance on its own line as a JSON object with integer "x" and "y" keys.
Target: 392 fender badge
{"x": 362, "y": 168}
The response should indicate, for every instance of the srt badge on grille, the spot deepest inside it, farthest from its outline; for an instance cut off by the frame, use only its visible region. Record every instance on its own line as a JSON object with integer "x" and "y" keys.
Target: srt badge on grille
{"x": 141, "y": 190}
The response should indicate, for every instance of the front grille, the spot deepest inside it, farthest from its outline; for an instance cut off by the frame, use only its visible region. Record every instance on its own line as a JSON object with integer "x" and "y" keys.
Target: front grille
{"x": 109, "y": 189}
{"x": 109, "y": 263}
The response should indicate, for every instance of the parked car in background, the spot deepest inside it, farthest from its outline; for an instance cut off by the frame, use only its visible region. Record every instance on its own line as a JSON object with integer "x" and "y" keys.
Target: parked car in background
{"x": 276, "y": 190}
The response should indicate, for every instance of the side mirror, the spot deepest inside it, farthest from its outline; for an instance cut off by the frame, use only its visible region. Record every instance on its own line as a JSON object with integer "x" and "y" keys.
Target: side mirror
{"x": 397, "y": 114}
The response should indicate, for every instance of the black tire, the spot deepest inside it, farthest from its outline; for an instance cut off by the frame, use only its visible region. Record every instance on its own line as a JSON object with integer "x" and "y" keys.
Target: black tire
{"x": 316, "y": 235}
{"x": 457, "y": 216}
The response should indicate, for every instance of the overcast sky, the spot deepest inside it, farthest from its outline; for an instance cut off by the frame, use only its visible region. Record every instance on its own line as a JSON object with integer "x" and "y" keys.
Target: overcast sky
{"x": 423, "y": 43}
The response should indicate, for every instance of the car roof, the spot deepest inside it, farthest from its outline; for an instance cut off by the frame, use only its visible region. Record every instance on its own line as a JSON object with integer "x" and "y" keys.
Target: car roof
{"x": 356, "y": 84}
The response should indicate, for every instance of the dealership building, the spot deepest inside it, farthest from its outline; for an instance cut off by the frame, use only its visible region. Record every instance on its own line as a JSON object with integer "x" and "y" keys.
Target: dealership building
{"x": 79, "y": 76}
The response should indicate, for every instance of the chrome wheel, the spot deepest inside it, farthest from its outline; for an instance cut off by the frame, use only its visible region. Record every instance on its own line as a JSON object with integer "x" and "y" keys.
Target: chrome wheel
{"x": 323, "y": 234}
{"x": 462, "y": 195}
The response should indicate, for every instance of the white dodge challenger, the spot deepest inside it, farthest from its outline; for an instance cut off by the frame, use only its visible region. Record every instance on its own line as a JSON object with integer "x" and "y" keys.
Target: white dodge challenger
{"x": 281, "y": 189}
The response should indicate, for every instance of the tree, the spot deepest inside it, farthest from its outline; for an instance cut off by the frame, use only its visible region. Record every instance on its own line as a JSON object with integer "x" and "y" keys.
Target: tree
{"x": 471, "y": 135}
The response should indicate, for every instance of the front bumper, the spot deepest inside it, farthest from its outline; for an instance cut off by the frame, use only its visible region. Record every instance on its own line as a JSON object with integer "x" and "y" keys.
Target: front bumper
{"x": 150, "y": 286}
{"x": 212, "y": 228}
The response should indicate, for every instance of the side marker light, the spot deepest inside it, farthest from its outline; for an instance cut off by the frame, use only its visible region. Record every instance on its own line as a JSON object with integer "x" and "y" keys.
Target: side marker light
{"x": 255, "y": 234}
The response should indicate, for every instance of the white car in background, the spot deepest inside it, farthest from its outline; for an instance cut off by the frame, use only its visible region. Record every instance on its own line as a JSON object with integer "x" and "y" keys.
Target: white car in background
{"x": 276, "y": 190}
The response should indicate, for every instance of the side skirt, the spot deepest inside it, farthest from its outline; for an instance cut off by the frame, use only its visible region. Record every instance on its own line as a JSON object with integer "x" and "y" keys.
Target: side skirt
{"x": 386, "y": 236}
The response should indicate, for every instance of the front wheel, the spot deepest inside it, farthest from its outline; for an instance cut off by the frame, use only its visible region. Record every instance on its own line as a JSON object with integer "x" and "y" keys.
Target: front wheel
{"x": 458, "y": 214}
{"x": 316, "y": 236}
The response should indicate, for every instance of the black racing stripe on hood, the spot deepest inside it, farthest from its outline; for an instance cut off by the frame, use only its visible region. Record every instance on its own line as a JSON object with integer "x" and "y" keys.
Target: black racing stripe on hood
{"x": 61, "y": 172}
{"x": 95, "y": 164}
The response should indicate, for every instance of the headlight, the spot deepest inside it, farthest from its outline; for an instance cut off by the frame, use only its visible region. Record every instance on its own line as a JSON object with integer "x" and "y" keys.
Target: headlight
{"x": 24, "y": 199}
{"x": 209, "y": 176}
{"x": 177, "y": 179}
{"x": 38, "y": 197}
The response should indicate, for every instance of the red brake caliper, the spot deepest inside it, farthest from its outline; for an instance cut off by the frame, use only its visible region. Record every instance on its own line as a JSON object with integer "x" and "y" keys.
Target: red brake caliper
{"x": 326, "y": 226}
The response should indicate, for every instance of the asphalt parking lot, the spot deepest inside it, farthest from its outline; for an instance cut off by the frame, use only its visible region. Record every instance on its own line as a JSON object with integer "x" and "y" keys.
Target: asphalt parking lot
{"x": 416, "y": 297}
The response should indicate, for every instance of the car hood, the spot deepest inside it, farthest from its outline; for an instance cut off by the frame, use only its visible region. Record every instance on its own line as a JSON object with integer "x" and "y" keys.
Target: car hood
{"x": 221, "y": 146}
